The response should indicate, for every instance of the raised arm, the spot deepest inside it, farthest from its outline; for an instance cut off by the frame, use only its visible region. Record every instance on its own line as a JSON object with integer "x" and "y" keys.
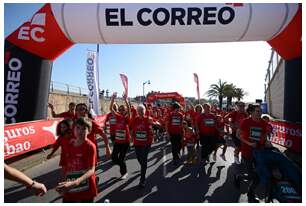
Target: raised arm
{"x": 127, "y": 106}
{"x": 112, "y": 103}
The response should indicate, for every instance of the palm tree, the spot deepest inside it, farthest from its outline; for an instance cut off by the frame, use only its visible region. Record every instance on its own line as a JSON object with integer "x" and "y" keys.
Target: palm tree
{"x": 229, "y": 93}
{"x": 239, "y": 93}
{"x": 217, "y": 90}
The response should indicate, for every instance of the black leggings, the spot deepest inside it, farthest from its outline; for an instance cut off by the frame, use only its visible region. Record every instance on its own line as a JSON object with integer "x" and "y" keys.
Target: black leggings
{"x": 142, "y": 157}
{"x": 118, "y": 156}
{"x": 209, "y": 144}
{"x": 176, "y": 142}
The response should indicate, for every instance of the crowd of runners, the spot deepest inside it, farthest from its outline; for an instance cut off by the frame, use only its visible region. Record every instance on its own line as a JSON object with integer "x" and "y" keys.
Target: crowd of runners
{"x": 192, "y": 128}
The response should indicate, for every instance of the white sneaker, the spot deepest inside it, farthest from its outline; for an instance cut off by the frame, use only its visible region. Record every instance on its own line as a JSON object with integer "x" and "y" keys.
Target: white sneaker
{"x": 237, "y": 160}
{"x": 123, "y": 177}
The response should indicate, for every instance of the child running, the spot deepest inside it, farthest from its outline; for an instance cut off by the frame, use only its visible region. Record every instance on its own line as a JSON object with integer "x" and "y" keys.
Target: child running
{"x": 80, "y": 183}
{"x": 64, "y": 133}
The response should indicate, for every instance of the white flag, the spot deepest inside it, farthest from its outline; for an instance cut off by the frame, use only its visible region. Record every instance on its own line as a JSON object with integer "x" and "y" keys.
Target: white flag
{"x": 92, "y": 83}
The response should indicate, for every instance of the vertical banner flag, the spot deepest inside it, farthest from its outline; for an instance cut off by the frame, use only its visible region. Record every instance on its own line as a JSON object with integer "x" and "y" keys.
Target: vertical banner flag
{"x": 92, "y": 83}
{"x": 196, "y": 80}
{"x": 125, "y": 83}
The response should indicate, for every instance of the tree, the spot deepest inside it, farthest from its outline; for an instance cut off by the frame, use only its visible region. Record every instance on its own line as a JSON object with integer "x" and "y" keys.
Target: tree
{"x": 239, "y": 93}
{"x": 217, "y": 90}
{"x": 229, "y": 93}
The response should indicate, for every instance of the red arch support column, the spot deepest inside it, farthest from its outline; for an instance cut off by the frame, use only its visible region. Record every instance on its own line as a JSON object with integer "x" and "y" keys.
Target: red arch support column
{"x": 56, "y": 27}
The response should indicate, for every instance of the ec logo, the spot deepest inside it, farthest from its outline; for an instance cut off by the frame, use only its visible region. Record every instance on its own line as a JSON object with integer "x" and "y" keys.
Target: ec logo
{"x": 35, "y": 33}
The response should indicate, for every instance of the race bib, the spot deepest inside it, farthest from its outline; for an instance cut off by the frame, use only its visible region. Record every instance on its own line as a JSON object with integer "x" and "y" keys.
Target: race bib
{"x": 141, "y": 136}
{"x": 83, "y": 186}
{"x": 112, "y": 120}
{"x": 176, "y": 121}
{"x": 255, "y": 133}
{"x": 209, "y": 122}
{"x": 190, "y": 143}
{"x": 120, "y": 134}
{"x": 285, "y": 190}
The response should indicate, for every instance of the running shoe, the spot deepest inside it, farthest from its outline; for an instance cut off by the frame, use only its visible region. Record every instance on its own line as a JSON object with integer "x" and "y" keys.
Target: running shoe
{"x": 123, "y": 177}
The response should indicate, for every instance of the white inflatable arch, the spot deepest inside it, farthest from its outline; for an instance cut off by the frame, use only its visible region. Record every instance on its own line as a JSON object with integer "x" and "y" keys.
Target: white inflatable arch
{"x": 31, "y": 49}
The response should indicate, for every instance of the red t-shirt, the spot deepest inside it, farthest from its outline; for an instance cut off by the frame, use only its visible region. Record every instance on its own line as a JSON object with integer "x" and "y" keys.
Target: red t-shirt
{"x": 175, "y": 123}
{"x": 96, "y": 129}
{"x": 237, "y": 117}
{"x": 122, "y": 132}
{"x": 66, "y": 115}
{"x": 134, "y": 112}
{"x": 190, "y": 138}
{"x": 252, "y": 131}
{"x": 141, "y": 127}
{"x": 207, "y": 124}
{"x": 149, "y": 113}
{"x": 64, "y": 143}
{"x": 81, "y": 158}
{"x": 112, "y": 123}
{"x": 189, "y": 116}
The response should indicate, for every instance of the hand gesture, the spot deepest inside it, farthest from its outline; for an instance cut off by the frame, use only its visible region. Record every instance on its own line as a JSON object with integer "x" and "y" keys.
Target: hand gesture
{"x": 51, "y": 106}
{"x": 49, "y": 156}
{"x": 63, "y": 187}
{"x": 40, "y": 189}
{"x": 114, "y": 95}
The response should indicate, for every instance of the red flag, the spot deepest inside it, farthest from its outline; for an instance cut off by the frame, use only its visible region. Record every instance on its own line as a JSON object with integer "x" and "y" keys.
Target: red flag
{"x": 196, "y": 80}
{"x": 125, "y": 83}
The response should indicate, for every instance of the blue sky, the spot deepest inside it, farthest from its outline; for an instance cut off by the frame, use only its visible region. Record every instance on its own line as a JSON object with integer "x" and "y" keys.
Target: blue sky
{"x": 169, "y": 67}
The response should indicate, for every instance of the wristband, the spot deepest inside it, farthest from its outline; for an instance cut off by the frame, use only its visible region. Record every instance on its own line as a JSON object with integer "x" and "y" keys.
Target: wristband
{"x": 33, "y": 183}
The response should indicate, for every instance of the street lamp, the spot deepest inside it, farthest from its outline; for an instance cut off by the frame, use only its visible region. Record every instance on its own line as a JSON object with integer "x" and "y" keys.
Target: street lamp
{"x": 143, "y": 84}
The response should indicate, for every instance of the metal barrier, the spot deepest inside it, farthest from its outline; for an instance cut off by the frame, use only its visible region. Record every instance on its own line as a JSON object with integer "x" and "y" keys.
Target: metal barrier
{"x": 67, "y": 88}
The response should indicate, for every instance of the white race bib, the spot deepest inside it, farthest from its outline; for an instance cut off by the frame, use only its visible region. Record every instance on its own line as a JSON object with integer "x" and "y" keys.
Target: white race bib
{"x": 120, "y": 134}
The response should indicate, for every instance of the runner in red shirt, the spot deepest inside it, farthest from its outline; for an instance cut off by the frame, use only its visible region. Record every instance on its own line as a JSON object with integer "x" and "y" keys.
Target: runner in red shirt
{"x": 70, "y": 114}
{"x": 207, "y": 131}
{"x": 142, "y": 138}
{"x": 64, "y": 133}
{"x": 220, "y": 140}
{"x": 235, "y": 118}
{"x": 122, "y": 132}
{"x": 198, "y": 111}
{"x": 189, "y": 115}
{"x": 174, "y": 128}
{"x": 190, "y": 140}
{"x": 82, "y": 111}
{"x": 253, "y": 132}
{"x": 110, "y": 118}
{"x": 133, "y": 112}
{"x": 80, "y": 184}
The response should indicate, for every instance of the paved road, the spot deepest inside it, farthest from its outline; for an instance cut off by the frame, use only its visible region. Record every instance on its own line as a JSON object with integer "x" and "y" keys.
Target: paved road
{"x": 197, "y": 183}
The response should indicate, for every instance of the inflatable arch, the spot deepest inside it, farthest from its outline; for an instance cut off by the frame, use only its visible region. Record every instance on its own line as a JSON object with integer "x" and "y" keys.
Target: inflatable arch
{"x": 30, "y": 50}
{"x": 169, "y": 95}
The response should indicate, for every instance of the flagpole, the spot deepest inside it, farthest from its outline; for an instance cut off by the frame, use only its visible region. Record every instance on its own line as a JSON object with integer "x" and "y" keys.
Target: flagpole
{"x": 97, "y": 63}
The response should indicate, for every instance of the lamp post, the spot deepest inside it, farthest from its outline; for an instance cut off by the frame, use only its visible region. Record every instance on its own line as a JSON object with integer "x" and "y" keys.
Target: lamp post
{"x": 143, "y": 84}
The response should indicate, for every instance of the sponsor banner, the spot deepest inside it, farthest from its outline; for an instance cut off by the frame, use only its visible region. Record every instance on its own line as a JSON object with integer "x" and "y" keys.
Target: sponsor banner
{"x": 41, "y": 35}
{"x": 92, "y": 83}
{"x": 288, "y": 135}
{"x": 24, "y": 137}
{"x": 196, "y": 80}
{"x": 180, "y": 23}
{"x": 26, "y": 85}
{"x": 125, "y": 83}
